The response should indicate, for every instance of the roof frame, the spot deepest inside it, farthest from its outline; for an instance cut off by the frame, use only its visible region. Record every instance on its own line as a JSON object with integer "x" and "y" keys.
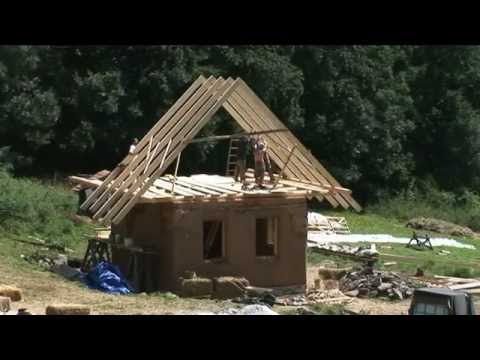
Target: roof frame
{"x": 126, "y": 184}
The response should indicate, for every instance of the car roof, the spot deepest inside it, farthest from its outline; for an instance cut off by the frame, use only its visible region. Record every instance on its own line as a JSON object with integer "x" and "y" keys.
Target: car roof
{"x": 439, "y": 291}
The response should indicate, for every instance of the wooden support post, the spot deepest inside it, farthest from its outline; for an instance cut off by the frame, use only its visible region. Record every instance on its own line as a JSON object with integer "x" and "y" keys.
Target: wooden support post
{"x": 176, "y": 171}
{"x": 283, "y": 168}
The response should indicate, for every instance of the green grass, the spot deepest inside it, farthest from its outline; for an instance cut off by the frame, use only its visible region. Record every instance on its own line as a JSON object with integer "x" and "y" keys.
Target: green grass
{"x": 32, "y": 211}
{"x": 460, "y": 262}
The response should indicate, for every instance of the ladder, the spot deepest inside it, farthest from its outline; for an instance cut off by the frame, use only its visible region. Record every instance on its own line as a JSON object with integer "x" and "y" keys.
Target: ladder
{"x": 232, "y": 157}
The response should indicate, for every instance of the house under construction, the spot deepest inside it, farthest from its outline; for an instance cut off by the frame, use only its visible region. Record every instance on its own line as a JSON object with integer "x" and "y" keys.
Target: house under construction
{"x": 168, "y": 224}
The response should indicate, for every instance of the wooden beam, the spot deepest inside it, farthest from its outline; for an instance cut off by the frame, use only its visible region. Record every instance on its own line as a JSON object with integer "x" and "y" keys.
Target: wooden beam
{"x": 226, "y": 137}
{"x": 176, "y": 171}
{"x": 283, "y": 168}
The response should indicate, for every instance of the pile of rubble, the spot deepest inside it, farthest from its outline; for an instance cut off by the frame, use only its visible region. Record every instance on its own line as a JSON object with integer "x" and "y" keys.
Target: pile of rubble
{"x": 370, "y": 283}
{"x": 343, "y": 249}
{"x": 45, "y": 261}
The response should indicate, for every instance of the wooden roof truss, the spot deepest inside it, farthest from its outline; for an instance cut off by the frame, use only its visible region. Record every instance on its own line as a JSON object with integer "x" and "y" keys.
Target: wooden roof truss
{"x": 161, "y": 146}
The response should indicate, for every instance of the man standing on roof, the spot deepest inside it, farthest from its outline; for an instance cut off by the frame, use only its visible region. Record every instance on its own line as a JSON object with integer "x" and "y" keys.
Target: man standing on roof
{"x": 268, "y": 164}
{"x": 241, "y": 164}
{"x": 259, "y": 156}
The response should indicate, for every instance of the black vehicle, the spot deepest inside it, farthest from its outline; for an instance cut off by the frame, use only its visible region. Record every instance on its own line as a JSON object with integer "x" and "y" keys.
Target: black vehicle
{"x": 441, "y": 301}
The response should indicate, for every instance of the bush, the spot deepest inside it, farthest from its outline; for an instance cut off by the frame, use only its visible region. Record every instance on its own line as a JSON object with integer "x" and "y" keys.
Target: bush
{"x": 28, "y": 207}
{"x": 426, "y": 200}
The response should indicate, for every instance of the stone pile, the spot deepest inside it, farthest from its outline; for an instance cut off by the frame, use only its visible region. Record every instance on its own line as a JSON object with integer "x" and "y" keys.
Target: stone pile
{"x": 344, "y": 249}
{"x": 371, "y": 283}
{"x": 45, "y": 261}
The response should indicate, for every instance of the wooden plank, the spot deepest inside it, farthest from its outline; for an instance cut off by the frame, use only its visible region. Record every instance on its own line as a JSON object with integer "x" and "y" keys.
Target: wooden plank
{"x": 202, "y": 189}
{"x": 113, "y": 175}
{"x": 226, "y": 137}
{"x": 176, "y": 172}
{"x": 211, "y": 187}
{"x": 283, "y": 168}
{"x": 85, "y": 182}
{"x": 180, "y": 190}
{"x": 471, "y": 285}
{"x": 169, "y": 131}
{"x": 222, "y": 94}
{"x": 455, "y": 279}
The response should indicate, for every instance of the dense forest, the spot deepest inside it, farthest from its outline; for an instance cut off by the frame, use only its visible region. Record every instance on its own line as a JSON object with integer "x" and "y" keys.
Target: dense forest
{"x": 382, "y": 119}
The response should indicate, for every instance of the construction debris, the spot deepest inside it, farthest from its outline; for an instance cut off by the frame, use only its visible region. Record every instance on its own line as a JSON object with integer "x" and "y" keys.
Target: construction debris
{"x": 391, "y": 263}
{"x": 356, "y": 253}
{"x": 315, "y": 296}
{"x": 246, "y": 310}
{"x": 440, "y": 226}
{"x": 4, "y": 303}
{"x": 14, "y": 293}
{"x": 370, "y": 283}
{"x": 67, "y": 309}
{"x": 45, "y": 260}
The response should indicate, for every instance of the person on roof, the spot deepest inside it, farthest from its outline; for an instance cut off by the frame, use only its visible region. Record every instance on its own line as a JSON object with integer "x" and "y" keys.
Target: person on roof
{"x": 131, "y": 152}
{"x": 259, "y": 149}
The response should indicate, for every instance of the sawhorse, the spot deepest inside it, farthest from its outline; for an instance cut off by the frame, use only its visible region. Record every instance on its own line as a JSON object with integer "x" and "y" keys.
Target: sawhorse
{"x": 419, "y": 243}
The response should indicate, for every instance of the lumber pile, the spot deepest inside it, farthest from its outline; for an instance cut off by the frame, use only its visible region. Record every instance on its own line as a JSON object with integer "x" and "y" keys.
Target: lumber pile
{"x": 327, "y": 224}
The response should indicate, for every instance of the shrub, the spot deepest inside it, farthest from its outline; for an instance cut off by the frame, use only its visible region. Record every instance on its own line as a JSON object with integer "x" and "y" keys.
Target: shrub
{"x": 28, "y": 207}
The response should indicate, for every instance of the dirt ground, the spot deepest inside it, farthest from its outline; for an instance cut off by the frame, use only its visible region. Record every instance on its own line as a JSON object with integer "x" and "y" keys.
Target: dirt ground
{"x": 42, "y": 288}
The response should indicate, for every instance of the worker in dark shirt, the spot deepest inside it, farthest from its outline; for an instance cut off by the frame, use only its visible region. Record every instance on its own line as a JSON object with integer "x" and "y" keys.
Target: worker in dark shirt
{"x": 259, "y": 149}
{"x": 241, "y": 164}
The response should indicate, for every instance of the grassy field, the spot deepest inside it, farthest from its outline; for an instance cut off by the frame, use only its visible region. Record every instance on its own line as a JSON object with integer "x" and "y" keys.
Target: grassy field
{"x": 460, "y": 262}
{"x": 31, "y": 211}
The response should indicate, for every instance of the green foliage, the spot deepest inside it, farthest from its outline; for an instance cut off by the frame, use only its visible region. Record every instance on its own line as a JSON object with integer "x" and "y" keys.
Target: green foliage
{"x": 428, "y": 201}
{"x": 29, "y": 208}
{"x": 381, "y": 118}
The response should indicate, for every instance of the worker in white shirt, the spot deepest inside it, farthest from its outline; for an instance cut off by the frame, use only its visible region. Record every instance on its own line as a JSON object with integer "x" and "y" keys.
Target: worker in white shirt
{"x": 131, "y": 152}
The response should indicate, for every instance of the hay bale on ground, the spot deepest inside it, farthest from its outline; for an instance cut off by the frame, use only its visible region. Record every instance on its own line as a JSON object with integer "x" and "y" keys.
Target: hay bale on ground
{"x": 229, "y": 287}
{"x": 197, "y": 287}
{"x": 4, "y": 303}
{"x": 67, "y": 309}
{"x": 14, "y": 293}
{"x": 332, "y": 273}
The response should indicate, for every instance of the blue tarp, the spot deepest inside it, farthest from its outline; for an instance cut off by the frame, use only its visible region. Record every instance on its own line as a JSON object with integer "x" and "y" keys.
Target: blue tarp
{"x": 108, "y": 278}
